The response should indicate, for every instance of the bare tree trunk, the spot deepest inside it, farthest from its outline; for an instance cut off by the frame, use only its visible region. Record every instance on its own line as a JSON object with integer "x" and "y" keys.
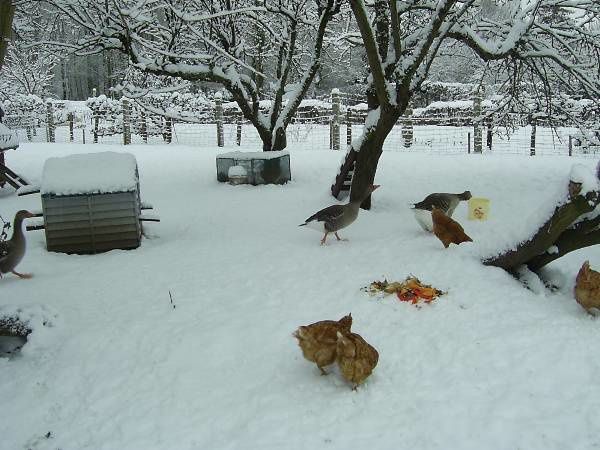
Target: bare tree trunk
{"x": 368, "y": 155}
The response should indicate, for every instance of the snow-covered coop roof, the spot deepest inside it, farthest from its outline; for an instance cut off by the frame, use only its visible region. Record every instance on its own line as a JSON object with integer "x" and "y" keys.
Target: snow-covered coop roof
{"x": 253, "y": 155}
{"x": 90, "y": 173}
{"x": 8, "y": 138}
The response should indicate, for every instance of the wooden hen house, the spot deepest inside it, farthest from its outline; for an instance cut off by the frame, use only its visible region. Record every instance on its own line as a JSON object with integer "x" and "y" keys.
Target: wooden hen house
{"x": 91, "y": 203}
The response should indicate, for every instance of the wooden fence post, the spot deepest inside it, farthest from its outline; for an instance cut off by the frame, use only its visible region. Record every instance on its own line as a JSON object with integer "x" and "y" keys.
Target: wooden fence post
{"x": 96, "y": 124}
{"x": 238, "y": 140}
{"x": 489, "y": 136}
{"x": 71, "y": 117}
{"x": 168, "y": 133}
{"x": 533, "y": 123}
{"x": 50, "y": 137}
{"x": 348, "y": 126}
{"x": 30, "y": 125}
{"x": 570, "y": 145}
{"x": 33, "y": 124}
{"x": 335, "y": 119}
{"x": 219, "y": 119}
{"x": 144, "y": 126}
{"x": 126, "y": 108}
{"x": 477, "y": 134}
{"x": 469, "y": 143}
{"x": 407, "y": 128}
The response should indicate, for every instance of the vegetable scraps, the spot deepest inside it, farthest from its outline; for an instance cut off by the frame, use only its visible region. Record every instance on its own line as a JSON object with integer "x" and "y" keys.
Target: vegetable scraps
{"x": 410, "y": 290}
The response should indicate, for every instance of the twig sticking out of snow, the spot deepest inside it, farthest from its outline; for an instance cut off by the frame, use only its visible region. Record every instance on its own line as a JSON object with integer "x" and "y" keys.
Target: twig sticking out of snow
{"x": 171, "y": 297}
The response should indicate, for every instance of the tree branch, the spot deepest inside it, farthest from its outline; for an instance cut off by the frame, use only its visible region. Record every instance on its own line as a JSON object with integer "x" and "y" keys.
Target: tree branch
{"x": 535, "y": 249}
{"x": 360, "y": 13}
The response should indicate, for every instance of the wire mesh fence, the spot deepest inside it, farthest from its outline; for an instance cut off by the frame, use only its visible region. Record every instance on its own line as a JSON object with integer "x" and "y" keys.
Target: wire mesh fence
{"x": 322, "y": 123}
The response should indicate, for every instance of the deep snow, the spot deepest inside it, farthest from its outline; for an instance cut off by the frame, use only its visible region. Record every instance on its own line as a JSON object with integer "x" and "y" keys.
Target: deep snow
{"x": 489, "y": 365}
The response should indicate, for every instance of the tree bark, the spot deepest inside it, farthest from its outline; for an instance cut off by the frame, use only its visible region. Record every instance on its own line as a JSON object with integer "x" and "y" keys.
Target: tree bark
{"x": 558, "y": 231}
{"x": 7, "y": 11}
{"x": 369, "y": 152}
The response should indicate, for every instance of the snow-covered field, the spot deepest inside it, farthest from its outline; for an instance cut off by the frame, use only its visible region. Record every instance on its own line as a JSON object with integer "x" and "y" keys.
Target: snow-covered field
{"x": 489, "y": 365}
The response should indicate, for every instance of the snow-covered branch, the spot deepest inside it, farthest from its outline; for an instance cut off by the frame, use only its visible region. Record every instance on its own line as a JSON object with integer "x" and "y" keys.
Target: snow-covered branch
{"x": 253, "y": 48}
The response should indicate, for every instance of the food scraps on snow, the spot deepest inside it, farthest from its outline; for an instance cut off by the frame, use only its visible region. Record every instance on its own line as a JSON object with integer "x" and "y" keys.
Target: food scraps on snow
{"x": 410, "y": 290}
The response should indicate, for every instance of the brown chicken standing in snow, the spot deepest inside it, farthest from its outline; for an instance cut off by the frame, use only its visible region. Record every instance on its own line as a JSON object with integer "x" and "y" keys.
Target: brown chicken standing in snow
{"x": 447, "y": 230}
{"x": 318, "y": 341}
{"x": 587, "y": 288}
{"x": 355, "y": 357}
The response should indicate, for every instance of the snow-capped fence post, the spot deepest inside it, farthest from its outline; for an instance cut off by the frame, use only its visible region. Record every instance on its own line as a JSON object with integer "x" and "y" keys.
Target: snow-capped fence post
{"x": 219, "y": 119}
{"x": 477, "y": 134}
{"x": 469, "y": 143}
{"x": 238, "y": 137}
{"x": 533, "y": 123}
{"x": 126, "y": 107}
{"x": 335, "y": 118}
{"x": 348, "y": 126}
{"x": 71, "y": 119}
{"x": 407, "y": 127}
{"x": 49, "y": 122}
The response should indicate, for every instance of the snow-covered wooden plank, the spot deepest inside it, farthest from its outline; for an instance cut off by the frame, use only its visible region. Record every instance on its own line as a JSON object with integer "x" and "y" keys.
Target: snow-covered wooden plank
{"x": 27, "y": 190}
{"x": 149, "y": 218}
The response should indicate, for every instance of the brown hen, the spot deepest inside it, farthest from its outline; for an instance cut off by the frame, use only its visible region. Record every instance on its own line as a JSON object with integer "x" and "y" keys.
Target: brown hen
{"x": 447, "y": 230}
{"x": 587, "y": 288}
{"x": 318, "y": 341}
{"x": 356, "y": 358}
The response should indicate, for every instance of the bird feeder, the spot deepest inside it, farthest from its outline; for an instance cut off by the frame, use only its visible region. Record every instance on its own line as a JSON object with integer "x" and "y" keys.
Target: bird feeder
{"x": 479, "y": 208}
{"x": 91, "y": 203}
{"x": 260, "y": 167}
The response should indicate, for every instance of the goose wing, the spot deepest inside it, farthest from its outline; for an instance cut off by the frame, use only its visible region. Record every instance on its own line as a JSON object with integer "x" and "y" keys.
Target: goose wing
{"x": 5, "y": 249}
{"x": 330, "y": 214}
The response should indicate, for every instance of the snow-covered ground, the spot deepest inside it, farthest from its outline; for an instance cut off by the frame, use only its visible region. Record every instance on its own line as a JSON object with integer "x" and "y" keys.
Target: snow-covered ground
{"x": 489, "y": 365}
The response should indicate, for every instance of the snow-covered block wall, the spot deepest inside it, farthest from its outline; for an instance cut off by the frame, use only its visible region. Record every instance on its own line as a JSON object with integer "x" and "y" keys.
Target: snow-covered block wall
{"x": 261, "y": 167}
{"x": 91, "y": 202}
